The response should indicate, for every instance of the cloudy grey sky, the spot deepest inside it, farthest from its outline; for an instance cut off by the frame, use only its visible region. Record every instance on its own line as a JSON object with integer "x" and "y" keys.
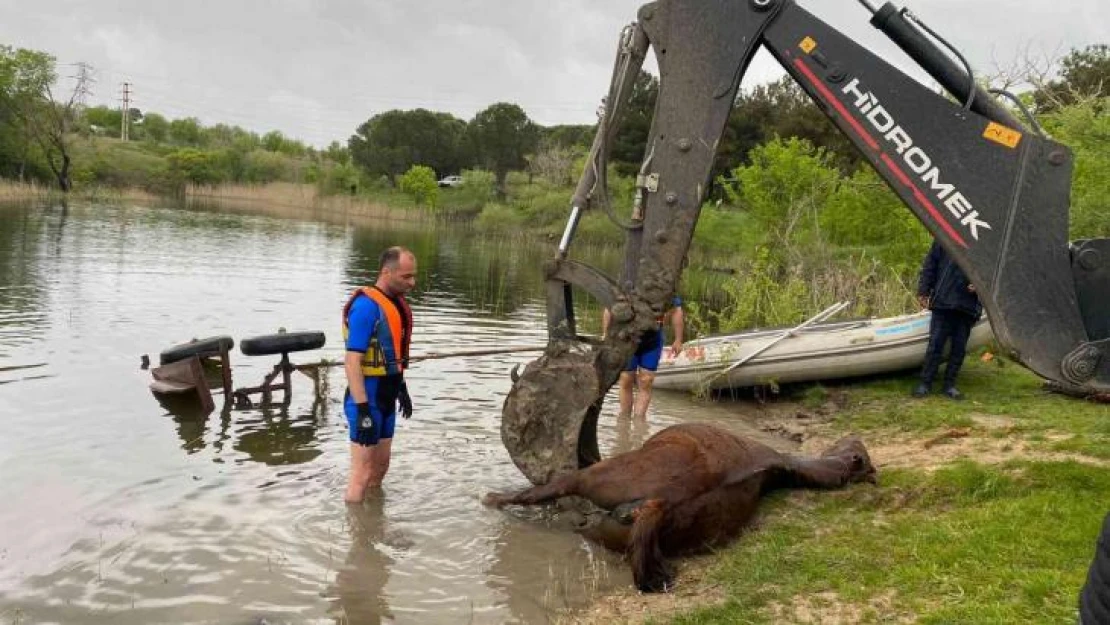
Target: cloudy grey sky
{"x": 315, "y": 69}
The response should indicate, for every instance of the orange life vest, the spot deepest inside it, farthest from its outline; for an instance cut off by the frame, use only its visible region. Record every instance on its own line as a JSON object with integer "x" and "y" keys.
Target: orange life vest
{"x": 388, "y": 352}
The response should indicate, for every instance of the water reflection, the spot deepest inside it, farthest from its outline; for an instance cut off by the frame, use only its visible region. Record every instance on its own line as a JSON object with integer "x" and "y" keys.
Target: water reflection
{"x": 57, "y": 226}
{"x": 542, "y": 568}
{"x": 23, "y": 319}
{"x": 630, "y": 434}
{"x": 190, "y": 416}
{"x": 359, "y": 590}
{"x": 272, "y": 436}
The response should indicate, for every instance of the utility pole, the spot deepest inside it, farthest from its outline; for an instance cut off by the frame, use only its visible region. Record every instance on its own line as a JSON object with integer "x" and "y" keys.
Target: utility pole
{"x": 125, "y": 117}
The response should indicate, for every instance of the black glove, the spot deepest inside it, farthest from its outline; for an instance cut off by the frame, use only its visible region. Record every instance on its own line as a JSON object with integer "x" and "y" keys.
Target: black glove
{"x": 365, "y": 423}
{"x": 405, "y": 400}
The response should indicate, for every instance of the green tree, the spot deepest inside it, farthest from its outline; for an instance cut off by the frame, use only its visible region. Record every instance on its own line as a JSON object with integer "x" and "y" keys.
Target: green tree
{"x": 155, "y": 128}
{"x": 864, "y": 213}
{"x": 26, "y": 81}
{"x": 1085, "y": 128}
{"x": 573, "y": 136}
{"x": 1084, "y": 74}
{"x": 219, "y": 136}
{"x": 337, "y": 153}
{"x": 390, "y": 143}
{"x": 787, "y": 184}
{"x": 502, "y": 135}
{"x": 234, "y": 137}
{"x": 419, "y": 182}
{"x": 780, "y": 109}
{"x": 273, "y": 141}
{"x": 335, "y": 177}
{"x": 187, "y": 131}
{"x": 104, "y": 120}
{"x": 630, "y": 142}
{"x": 15, "y": 138}
{"x": 262, "y": 166}
{"x": 195, "y": 166}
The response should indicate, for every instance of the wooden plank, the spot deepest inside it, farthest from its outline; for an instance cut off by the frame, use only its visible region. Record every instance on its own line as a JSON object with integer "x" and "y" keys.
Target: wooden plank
{"x": 170, "y": 388}
{"x": 182, "y": 375}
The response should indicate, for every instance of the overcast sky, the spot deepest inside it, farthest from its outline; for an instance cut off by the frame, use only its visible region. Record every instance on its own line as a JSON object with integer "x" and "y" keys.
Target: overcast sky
{"x": 316, "y": 69}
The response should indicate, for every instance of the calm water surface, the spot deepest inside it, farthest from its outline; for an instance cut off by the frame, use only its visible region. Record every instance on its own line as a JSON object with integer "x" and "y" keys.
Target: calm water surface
{"x": 116, "y": 509}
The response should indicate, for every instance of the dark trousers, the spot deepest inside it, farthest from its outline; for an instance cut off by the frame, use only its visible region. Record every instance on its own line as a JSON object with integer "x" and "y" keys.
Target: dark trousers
{"x": 946, "y": 325}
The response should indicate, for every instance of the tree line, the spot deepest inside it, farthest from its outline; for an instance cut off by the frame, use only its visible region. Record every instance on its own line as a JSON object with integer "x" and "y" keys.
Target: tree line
{"x": 501, "y": 138}
{"x": 41, "y": 134}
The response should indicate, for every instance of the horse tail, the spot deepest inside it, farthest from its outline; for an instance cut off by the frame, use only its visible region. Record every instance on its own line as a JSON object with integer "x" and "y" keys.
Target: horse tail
{"x": 649, "y": 569}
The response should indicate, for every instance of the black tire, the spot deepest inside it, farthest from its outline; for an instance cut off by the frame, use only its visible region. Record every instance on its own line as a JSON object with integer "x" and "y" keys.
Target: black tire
{"x": 197, "y": 347}
{"x": 1094, "y": 599}
{"x": 282, "y": 343}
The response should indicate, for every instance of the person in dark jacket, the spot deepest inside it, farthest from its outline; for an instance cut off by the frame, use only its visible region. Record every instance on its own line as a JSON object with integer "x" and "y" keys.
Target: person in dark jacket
{"x": 944, "y": 289}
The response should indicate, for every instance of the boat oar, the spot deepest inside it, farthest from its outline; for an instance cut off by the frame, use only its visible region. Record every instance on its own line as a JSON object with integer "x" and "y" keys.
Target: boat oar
{"x": 819, "y": 317}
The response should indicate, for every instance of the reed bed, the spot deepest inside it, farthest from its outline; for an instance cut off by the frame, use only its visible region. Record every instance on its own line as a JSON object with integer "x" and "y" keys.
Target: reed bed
{"x": 286, "y": 199}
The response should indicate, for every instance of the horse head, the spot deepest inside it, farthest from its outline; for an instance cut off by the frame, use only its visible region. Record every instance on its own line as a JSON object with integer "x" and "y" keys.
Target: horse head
{"x": 850, "y": 449}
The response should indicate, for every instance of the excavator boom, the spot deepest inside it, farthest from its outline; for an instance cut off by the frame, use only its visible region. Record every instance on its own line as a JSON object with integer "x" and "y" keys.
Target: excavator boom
{"x": 992, "y": 192}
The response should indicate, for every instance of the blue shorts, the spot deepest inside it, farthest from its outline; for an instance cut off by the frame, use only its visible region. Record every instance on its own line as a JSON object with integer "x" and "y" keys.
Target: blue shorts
{"x": 647, "y": 353}
{"x": 384, "y": 420}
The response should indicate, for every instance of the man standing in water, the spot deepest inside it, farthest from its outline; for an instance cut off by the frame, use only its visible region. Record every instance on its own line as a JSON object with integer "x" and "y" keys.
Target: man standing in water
{"x": 377, "y": 328}
{"x": 639, "y": 373}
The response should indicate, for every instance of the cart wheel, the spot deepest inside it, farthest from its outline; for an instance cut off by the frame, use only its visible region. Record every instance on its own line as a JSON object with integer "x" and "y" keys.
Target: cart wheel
{"x": 204, "y": 348}
{"x": 282, "y": 343}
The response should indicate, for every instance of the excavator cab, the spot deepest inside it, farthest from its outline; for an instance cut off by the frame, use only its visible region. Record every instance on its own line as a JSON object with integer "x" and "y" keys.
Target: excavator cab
{"x": 992, "y": 189}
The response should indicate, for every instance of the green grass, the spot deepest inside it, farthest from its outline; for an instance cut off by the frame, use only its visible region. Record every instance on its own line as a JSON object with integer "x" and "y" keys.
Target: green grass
{"x": 994, "y": 389}
{"x": 968, "y": 542}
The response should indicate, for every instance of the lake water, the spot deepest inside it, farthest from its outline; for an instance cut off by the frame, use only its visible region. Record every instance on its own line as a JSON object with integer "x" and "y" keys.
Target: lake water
{"x": 115, "y": 509}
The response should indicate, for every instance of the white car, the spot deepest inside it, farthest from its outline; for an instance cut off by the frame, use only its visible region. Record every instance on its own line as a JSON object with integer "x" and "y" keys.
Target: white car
{"x": 451, "y": 181}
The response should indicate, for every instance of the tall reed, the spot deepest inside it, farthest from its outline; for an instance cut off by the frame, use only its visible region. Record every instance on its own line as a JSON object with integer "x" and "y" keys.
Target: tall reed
{"x": 286, "y": 199}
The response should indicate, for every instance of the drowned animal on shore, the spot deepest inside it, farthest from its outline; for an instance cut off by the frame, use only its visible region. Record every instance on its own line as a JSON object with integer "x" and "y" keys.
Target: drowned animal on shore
{"x": 689, "y": 487}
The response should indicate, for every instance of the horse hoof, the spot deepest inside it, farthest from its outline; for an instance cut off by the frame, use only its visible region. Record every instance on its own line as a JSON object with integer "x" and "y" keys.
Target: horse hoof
{"x": 656, "y": 576}
{"x": 661, "y": 583}
{"x": 625, "y": 513}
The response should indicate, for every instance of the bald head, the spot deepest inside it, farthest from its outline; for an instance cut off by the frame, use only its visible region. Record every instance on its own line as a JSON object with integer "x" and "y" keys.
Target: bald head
{"x": 391, "y": 257}
{"x": 396, "y": 271}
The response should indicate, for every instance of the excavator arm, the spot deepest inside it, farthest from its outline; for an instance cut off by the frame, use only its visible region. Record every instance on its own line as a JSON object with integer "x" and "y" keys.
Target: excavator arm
{"x": 994, "y": 193}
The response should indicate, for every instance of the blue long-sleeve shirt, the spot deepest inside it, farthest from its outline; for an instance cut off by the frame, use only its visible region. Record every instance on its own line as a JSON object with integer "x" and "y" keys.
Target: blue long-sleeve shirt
{"x": 945, "y": 285}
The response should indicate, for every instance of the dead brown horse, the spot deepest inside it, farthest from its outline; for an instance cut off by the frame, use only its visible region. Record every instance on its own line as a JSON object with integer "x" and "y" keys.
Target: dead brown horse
{"x": 689, "y": 487}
